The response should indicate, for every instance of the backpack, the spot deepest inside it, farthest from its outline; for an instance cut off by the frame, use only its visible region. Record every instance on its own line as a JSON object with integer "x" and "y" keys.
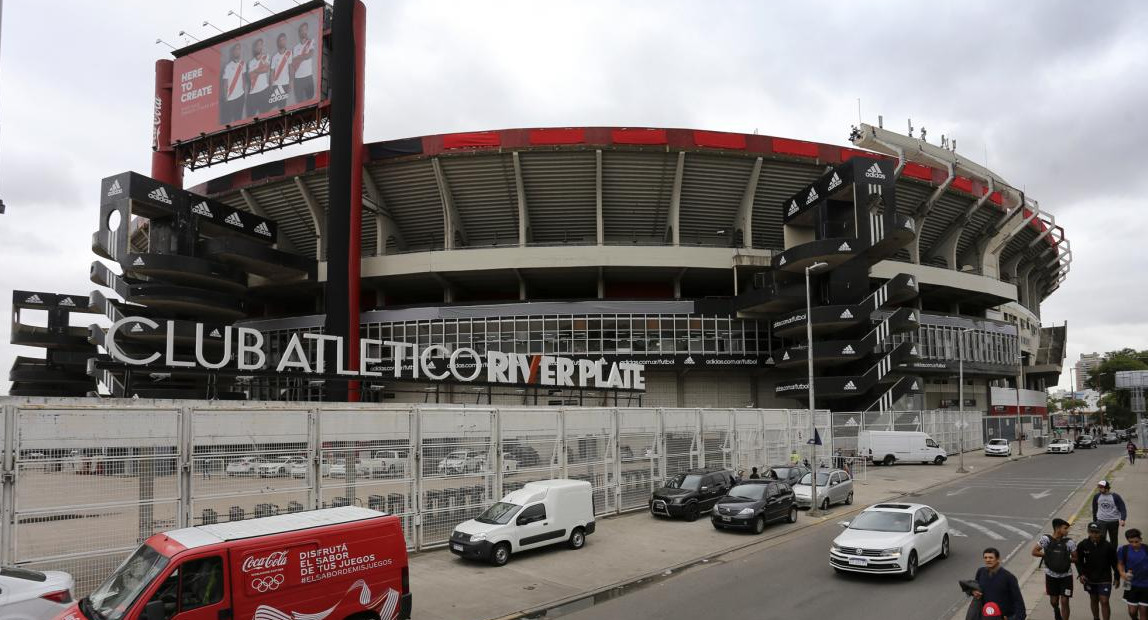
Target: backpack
{"x": 1056, "y": 555}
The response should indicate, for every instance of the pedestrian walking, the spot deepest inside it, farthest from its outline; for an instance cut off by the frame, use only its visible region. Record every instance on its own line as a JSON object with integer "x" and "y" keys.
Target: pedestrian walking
{"x": 1108, "y": 511}
{"x": 997, "y": 587}
{"x": 1096, "y": 566}
{"x": 1132, "y": 561}
{"x": 753, "y": 475}
{"x": 1131, "y": 447}
{"x": 1057, "y": 552}
{"x": 838, "y": 459}
{"x": 795, "y": 458}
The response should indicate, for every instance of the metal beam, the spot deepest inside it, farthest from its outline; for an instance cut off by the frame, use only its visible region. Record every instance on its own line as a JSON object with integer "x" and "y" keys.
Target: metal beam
{"x": 946, "y": 244}
{"x": 744, "y": 220}
{"x": 284, "y": 242}
{"x": 523, "y": 212}
{"x": 452, "y": 224}
{"x": 600, "y": 221}
{"x": 673, "y": 232}
{"x": 386, "y": 226}
{"x": 318, "y": 217}
{"x": 925, "y": 208}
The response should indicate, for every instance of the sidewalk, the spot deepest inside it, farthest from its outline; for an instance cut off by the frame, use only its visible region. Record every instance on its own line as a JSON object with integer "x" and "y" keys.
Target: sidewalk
{"x": 632, "y": 547}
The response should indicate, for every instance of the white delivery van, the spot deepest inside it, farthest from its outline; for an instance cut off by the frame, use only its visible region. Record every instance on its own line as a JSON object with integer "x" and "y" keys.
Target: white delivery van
{"x": 541, "y": 513}
{"x": 888, "y": 447}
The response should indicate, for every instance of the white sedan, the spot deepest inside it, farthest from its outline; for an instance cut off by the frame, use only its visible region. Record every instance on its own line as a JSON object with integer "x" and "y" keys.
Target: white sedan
{"x": 998, "y": 447}
{"x": 1061, "y": 446}
{"x": 892, "y": 538}
{"x": 34, "y": 594}
{"x": 279, "y": 467}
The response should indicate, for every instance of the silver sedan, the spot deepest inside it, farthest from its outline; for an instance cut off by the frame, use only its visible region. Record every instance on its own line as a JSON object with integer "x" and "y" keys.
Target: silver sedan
{"x": 834, "y": 486}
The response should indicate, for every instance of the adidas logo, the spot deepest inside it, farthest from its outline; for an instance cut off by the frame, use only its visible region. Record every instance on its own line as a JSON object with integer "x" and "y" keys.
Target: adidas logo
{"x": 913, "y": 317}
{"x": 159, "y": 194}
{"x": 201, "y": 208}
{"x": 844, "y": 247}
{"x": 215, "y": 333}
{"x": 34, "y": 299}
{"x": 67, "y": 301}
{"x": 850, "y": 386}
{"x": 848, "y": 350}
{"x": 792, "y": 208}
{"x": 834, "y": 182}
{"x": 689, "y": 361}
{"x": 262, "y": 229}
{"x": 234, "y": 220}
{"x": 909, "y": 224}
{"x": 851, "y": 422}
{"x": 812, "y": 196}
{"x": 912, "y": 282}
{"x": 115, "y": 189}
{"x": 874, "y": 172}
{"x": 913, "y": 351}
{"x": 781, "y": 262}
{"x": 785, "y": 357}
{"x": 914, "y": 386}
{"x": 137, "y": 328}
{"x": 846, "y": 315}
{"x": 138, "y": 262}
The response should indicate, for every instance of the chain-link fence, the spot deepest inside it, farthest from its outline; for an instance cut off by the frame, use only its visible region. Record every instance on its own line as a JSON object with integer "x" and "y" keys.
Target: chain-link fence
{"x": 85, "y": 481}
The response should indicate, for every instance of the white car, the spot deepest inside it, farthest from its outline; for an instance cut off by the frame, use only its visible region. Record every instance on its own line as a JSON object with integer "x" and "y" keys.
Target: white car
{"x": 1061, "y": 446}
{"x": 30, "y": 595}
{"x": 280, "y": 467}
{"x": 246, "y": 466}
{"x": 301, "y": 468}
{"x": 891, "y": 538}
{"x": 462, "y": 462}
{"x": 998, "y": 447}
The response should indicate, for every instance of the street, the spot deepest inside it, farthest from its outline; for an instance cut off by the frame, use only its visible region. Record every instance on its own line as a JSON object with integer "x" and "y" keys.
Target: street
{"x": 1007, "y": 508}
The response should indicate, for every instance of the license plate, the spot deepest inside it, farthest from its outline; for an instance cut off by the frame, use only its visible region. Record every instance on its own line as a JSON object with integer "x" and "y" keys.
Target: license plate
{"x": 456, "y": 547}
{"x": 858, "y": 562}
{"x": 725, "y": 518}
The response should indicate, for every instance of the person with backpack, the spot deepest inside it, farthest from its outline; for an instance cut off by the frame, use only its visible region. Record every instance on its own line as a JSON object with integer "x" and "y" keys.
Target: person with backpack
{"x": 1058, "y": 552}
{"x": 1132, "y": 562}
{"x": 1096, "y": 565}
{"x": 998, "y": 587}
{"x": 1131, "y": 447}
{"x": 1108, "y": 511}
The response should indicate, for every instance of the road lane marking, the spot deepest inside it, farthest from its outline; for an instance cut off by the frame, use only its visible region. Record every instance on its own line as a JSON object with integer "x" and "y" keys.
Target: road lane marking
{"x": 957, "y": 492}
{"x": 980, "y": 528}
{"x": 956, "y": 532}
{"x": 1010, "y": 528}
{"x": 1034, "y": 526}
{"x": 1043, "y": 494}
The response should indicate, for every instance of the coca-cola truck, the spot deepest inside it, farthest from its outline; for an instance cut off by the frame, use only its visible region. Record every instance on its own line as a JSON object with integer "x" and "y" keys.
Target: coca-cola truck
{"x": 329, "y": 564}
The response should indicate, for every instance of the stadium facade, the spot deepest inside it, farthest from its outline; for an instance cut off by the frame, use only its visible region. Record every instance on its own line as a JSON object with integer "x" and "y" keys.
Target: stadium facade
{"x": 682, "y": 250}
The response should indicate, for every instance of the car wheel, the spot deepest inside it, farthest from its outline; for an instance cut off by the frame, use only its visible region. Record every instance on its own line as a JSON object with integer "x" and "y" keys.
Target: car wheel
{"x": 825, "y": 504}
{"x": 793, "y": 514}
{"x": 889, "y": 460}
{"x": 692, "y": 513}
{"x": 577, "y": 538}
{"x": 849, "y": 499}
{"x": 500, "y": 555}
{"x": 940, "y": 460}
{"x": 911, "y": 567}
{"x": 944, "y": 547}
{"x": 759, "y": 525}
{"x": 717, "y": 526}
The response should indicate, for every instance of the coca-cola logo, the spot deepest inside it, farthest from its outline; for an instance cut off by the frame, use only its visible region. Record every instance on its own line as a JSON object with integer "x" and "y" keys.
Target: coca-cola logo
{"x": 275, "y": 559}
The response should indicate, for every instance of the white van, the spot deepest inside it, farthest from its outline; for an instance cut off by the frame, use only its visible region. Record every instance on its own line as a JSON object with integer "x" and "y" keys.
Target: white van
{"x": 541, "y": 513}
{"x": 888, "y": 447}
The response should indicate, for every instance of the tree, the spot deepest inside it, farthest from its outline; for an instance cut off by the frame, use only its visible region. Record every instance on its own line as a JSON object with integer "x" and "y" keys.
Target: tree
{"x": 1117, "y": 403}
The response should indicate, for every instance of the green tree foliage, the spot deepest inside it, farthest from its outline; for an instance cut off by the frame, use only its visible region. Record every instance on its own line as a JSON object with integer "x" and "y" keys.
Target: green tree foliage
{"x": 1117, "y": 403}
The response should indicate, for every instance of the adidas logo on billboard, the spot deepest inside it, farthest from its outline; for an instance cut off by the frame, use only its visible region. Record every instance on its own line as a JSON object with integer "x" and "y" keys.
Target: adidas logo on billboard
{"x": 846, "y": 315}
{"x": 850, "y": 386}
{"x": 34, "y": 299}
{"x": 159, "y": 194}
{"x": 115, "y": 189}
{"x": 67, "y": 301}
{"x": 912, "y": 282}
{"x": 689, "y": 360}
{"x": 234, "y": 220}
{"x": 834, "y": 182}
{"x": 785, "y": 357}
{"x": 914, "y": 386}
{"x": 851, "y": 422}
{"x": 137, "y": 328}
{"x": 848, "y": 350}
{"x": 874, "y": 172}
{"x": 913, "y": 317}
{"x": 812, "y": 196}
{"x": 201, "y": 208}
{"x": 262, "y": 229}
{"x": 913, "y": 351}
{"x": 215, "y": 333}
{"x": 844, "y": 247}
{"x": 781, "y": 262}
{"x": 792, "y": 208}
{"x": 909, "y": 224}
{"x": 138, "y": 262}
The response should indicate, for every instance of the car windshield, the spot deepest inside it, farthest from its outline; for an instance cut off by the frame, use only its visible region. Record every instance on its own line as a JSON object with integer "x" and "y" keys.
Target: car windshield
{"x": 748, "y": 491}
{"x": 822, "y": 479}
{"x": 111, "y": 600}
{"x": 998, "y": 442}
{"x": 498, "y": 514}
{"x": 456, "y": 455}
{"x": 781, "y": 473}
{"x": 882, "y": 521}
{"x": 685, "y": 481}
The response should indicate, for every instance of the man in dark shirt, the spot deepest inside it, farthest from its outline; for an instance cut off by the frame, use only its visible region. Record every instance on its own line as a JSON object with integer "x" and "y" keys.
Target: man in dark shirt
{"x": 999, "y": 586}
{"x": 1096, "y": 565}
{"x": 754, "y": 475}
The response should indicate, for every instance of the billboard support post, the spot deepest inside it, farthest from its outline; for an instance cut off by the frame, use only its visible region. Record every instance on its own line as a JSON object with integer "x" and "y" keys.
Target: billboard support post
{"x": 164, "y": 165}
{"x": 345, "y": 180}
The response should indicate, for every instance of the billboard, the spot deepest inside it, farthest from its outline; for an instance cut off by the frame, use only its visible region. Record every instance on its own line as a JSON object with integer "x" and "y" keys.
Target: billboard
{"x": 256, "y": 73}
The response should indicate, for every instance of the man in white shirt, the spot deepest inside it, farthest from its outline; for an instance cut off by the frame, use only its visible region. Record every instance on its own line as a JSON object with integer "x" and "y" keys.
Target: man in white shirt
{"x": 231, "y": 85}
{"x": 303, "y": 64}
{"x": 280, "y": 72}
{"x": 258, "y": 79}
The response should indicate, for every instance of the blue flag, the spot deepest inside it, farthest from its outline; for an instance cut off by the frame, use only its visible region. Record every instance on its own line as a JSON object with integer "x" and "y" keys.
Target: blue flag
{"x": 816, "y": 441}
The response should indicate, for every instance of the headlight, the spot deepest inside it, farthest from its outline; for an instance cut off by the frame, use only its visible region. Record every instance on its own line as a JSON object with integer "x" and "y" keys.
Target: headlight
{"x": 715, "y": 510}
{"x": 836, "y": 547}
{"x": 746, "y": 511}
{"x": 477, "y": 537}
{"x": 894, "y": 552}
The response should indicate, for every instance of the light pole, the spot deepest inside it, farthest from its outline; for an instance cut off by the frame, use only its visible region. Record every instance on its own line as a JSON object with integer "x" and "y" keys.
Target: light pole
{"x": 961, "y": 400}
{"x": 1019, "y": 423}
{"x": 813, "y": 509}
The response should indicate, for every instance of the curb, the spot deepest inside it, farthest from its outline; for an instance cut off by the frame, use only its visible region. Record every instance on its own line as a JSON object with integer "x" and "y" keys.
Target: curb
{"x": 540, "y": 611}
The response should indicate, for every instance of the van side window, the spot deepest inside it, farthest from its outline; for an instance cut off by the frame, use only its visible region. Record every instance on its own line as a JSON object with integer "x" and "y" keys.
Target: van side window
{"x": 202, "y": 583}
{"x": 537, "y": 512}
{"x": 931, "y": 443}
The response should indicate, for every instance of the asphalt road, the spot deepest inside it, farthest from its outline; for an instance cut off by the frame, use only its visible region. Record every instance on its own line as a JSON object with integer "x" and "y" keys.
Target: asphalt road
{"x": 1007, "y": 508}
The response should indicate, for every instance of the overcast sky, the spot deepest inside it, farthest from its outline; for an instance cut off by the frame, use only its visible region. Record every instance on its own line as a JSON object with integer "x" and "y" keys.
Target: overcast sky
{"x": 1051, "y": 93}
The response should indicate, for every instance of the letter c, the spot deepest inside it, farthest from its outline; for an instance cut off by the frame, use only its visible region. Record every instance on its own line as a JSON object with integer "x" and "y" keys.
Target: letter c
{"x": 114, "y": 349}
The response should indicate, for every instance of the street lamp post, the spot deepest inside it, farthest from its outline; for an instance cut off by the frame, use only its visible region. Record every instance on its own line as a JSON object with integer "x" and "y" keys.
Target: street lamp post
{"x": 813, "y": 509}
{"x": 1019, "y": 421}
{"x": 961, "y": 400}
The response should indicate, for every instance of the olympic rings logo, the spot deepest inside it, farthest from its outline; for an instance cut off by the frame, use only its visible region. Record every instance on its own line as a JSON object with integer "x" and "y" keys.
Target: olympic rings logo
{"x": 267, "y": 584}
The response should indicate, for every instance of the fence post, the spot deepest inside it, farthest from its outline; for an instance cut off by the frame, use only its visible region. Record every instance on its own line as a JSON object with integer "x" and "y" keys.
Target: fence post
{"x": 563, "y": 466}
{"x": 496, "y": 446}
{"x": 8, "y": 479}
{"x": 315, "y": 455}
{"x": 700, "y": 438}
{"x": 185, "y": 459}
{"x": 616, "y": 472}
{"x": 416, "y": 498}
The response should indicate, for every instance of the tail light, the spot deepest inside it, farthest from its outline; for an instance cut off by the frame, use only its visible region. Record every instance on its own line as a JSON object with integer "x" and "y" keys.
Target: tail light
{"x": 62, "y": 597}
{"x": 406, "y": 580}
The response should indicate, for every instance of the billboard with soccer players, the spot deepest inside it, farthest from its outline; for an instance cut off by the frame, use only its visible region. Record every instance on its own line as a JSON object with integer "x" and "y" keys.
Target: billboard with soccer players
{"x": 256, "y": 72}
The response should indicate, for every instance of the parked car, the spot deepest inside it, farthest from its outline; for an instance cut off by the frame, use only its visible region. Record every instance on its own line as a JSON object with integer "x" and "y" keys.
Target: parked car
{"x": 347, "y": 562}
{"x": 834, "y": 486}
{"x": 1109, "y": 438}
{"x": 752, "y": 504}
{"x": 339, "y": 468}
{"x": 888, "y": 447}
{"x": 526, "y": 456}
{"x": 1060, "y": 446}
{"x": 301, "y": 469}
{"x": 462, "y": 462}
{"x": 789, "y": 474}
{"x": 30, "y": 595}
{"x": 1085, "y": 441}
{"x": 279, "y": 467}
{"x": 691, "y": 493}
{"x": 541, "y": 513}
{"x": 998, "y": 447}
{"x": 246, "y": 466}
{"x": 384, "y": 463}
{"x": 891, "y": 538}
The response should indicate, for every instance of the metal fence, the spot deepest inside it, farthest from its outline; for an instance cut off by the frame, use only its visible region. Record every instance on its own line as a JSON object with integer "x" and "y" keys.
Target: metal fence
{"x": 86, "y": 480}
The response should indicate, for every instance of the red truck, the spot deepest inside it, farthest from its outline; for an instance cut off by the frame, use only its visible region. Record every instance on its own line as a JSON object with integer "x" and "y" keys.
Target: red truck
{"x": 330, "y": 564}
